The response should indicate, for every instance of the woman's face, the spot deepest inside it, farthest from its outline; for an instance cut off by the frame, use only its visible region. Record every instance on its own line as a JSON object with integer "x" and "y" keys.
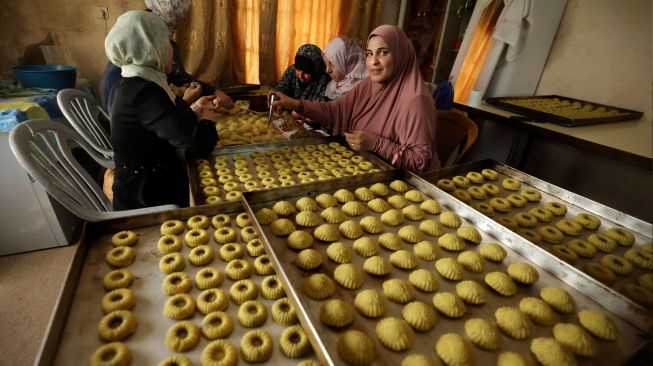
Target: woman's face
{"x": 335, "y": 74}
{"x": 168, "y": 66}
{"x": 303, "y": 76}
{"x": 378, "y": 60}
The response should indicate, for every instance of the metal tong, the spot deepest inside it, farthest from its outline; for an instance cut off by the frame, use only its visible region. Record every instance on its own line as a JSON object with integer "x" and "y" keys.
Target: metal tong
{"x": 272, "y": 97}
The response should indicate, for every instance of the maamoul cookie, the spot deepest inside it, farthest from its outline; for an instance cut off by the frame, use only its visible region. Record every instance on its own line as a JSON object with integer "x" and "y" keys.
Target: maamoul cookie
{"x": 339, "y": 252}
{"x": 598, "y": 323}
{"x": 377, "y": 265}
{"x": 171, "y": 262}
{"x": 449, "y": 268}
{"x": 114, "y": 354}
{"x": 511, "y": 184}
{"x": 355, "y": 348}
{"x": 118, "y": 299}
{"x": 564, "y": 253}
{"x": 198, "y": 222}
{"x": 392, "y": 218}
{"x": 372, "y": 224}
{"x": 124, "y": 238}
{"x": 541, "y": 214}
{"x": 471, "y": 292}
{"x": 283, "y": 312}
{"x": 318, "y": 286}
{"x": 462, "y": 195}
{"x": 326, "y": 200}
{"x": 617, "y": 264}
{"x": 449, "y": 304}
{"x": 550, "y": 352}
{"x": 172, "y": 227}
{"x": 512, "y": 359}
{"x": 306, "y": 204}
{"x": 299, "y": 239}
{"x": 248, "y": 233}
{"x": 210, "y": 300}
{"x": 231, "y": 251}
{"x": 256, "y": 346}
{"x": 550, "y": 234}
{"x": 265, "y": 216}
{"x": 469, "y": 233}
{"x": 523, "y": 273}
{"x": 349, "y": 276}
{"x": 333, "y": 215}
{"x": 454, "y": 350}
{"x": 242, "y": 291}
{"x": 200, "y": 255}
{"x": 569, "y": 227}
{"x": 483, "y": 334}
{"x": 414, "y": 195}
{"x": 283, "y": 208}
{"x": 413, "y": 212}
{"x": 255, "y": 248}
{"x": 176, "y": 283}
{"x": 431, "y": 227}
{"x": 371, "y": 303}
{"x": 378, "y": 205}
{"x": 343, "y": 196}
{"x": 179, "y": 306}
{"x": 493, "y": 252}
{"x": 217, "y": 325}
{"x": 308, "y": 259}
{"x": 451, "y": 242}
{"x": 509, "y": 222}
{"x": 410, "y": 234}
{"x": 460, "y": 181}
{"x": 271, "y": 288}
{"x": 350, "y": 229}
{"x": 117, "y": 325}
{"x": 426, "y": 250}
{"x": 501, "y": 283}
{"x": 419, "y": 315}
{"x": 475, "y": 177}
{"x": 525, "y": 219}
{"x": 575, "y": 338}
{"x": 477, "y": 193}
{"x": 397, "y": 290}
{"x": 531, "y": 195}
{"x": 336, "y": 313}
{"x": 602, "y": 242}
{"x": 364, "y": 194}
{"x": 446, "y": 185}
{"x": 500, "y": 204}
{"x": 559, "y": 299}
{"x": 491, "y": 189}
{"x": 404, "y": 259}
{"x": 588, "y": 221}
{"x": 308, "y": 218}
{"x": 222, "y": 220}
{"x": 395, "y": 334}
{"x": 119, "y": 278}
{"x": 513, "y": 322}
{"x": 582, "y": 248}
{"x": 600, "y": 272}
{"x": 238, "y": 269}
{"x": 516, "y": 200}
{"x": 399, "y": 186}
{"x": 120, "y": 256}
{"x": 327, "y": 232}
{"x": 638, "y": 294}
{"x": 490, "y": 174}
{"x": 281, "y": 227}
{"x": 252, "y": 314}
{"x": 227, "y": 234}
{"x": 294, "y": 342}
{"x": 379, "y": 189}
{"x": 366, "y": 246}
{"x": 169, "y": 244}
{"x": 471, "y": 261}
{"x": 640, "y": 258}
{"x": 431, "y": 206}
{"x": 538, "y": 311}
{"x": 423, "y": 280}
{"x": 219, "y": 353}
{"x": 622, "y": 236}
{"x": 556, "y": 208}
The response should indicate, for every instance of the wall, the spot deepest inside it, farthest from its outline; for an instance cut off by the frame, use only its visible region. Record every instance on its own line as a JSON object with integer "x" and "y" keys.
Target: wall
{"x": 602, "y": 53}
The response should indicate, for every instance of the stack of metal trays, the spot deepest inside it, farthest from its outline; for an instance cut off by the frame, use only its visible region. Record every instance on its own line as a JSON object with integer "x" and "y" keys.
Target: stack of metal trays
{"x": 631, "y": 283}
{"x": 552, "y": 273}
{"x": 258, "y": 166}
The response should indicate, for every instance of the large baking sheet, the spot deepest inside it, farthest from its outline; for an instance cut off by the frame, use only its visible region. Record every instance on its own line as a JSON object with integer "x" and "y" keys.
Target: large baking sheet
{"x": 72, "y": 335}
{"x": 196, "y": 189}
{"x": 576, "y": 204}
{"x": 629, "y": 341}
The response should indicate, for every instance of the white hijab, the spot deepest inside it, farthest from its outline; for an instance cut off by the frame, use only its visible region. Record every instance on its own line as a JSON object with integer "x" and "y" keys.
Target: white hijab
{"x": 138, "y": 44}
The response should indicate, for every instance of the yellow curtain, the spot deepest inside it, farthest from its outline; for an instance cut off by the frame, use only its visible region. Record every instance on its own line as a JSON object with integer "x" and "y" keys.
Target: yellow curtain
{"x": 254, "y": 41}
{"x": 477, "y": 51}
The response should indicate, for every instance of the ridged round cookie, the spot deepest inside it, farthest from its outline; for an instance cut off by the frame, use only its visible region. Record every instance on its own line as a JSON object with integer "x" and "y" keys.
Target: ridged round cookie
{"x": 523, "y": 273}
{"x": 336, "y": 313}
{"x": 564, "y": 253}
{"x": 256, "y": 346}
{"x": 353, "y": 208}
{"x": 413, "y": 212}
{"x": 500, "y": 204}
{"x": 510, "y": 223}
{"x": 640, "y": 258}
{"x": 349, "y": 276}
{"x": 541, "y": 214}
{"x": 575, "y": 338}
{"x": 398, "y": 201}
{"x": 265, "y": 216}
{"x": 391, "y": 241}
{"x": 598, "y": 323}
{"x": 450, "y": 219}
{"x": 501, "y": 283}
{"x": 531, "y": 195}
{"x": 366, "y": 246}
{"x": 622, "y": 236}
{"x": 307, "y": 219}
{"x": 399, "y": 291}
{"x": 524, "y": 219}
{"x": 284, "y": 208}
{"x": 377, "y": 265}
{"x": 333, "y": 215}
{"x": 395, "y": 334}
{"x": 308, "y": 259}
{"x": 559, "y": 299}
{"x": 449, "y": 304}
{"x": 344, "y": 195}
{"x": 451, "y": 242}
{"x": 423, "y": 280}
{"x": 516, "y": 200}
{"x": 431, "y": 227}
{"x": 371, "y": 224}
{"x": 426, "y": 250}
{"x": 326, "y": 200}
{"x": 392, "y": 218}
{"x": 411, "y": 234}
{"x": 281, "y": 227}
{"x": 355, "y": 348}
{"x": 299, "y": 239}
{"x": 617, "y": 264}
{"x": 569, "y": 227}
{"x": 550, "y": 234}
{"x": 399, "y": 186}
{"x": 449, "y": 268}
{"x": 339, "y": 252}
{"x": 379, "y": 189}
{"x": 431, "y": 206}
{"x": 419, "y": 315}
{"x": 483, "y": 334}
{"x": 318, "y": 286}
{"x": 469, "y": 233}
{"x": 512, "y": 359}
{"x": 404, "y": 259}
{"x": 327, "y": 232}
{"x": 582, "y": 248}
{"x": 491, "y": 189}
{"x": 477, "y": 193}
{"x": 378, "y": 205}
{"x": 460, "y": 181}
{"x": 414, "y": 195}
{"x": 283, "y": 312}
{"x": 371, "y": 303}
{"x": 350, "y": 229}
{"x": 446, "y": 185}
{"x": 471, "y": 261}
{"x": 454, "y": 350}
{"x": 513, "y": 322}
{"x": 602, "y": 242}
{"x": 471, "y": 292}
{"x": 538, "y": 311}
{"x": 588, "y": 221}
{"x": 493, "y": 252}
{"x": 550, "y": 352}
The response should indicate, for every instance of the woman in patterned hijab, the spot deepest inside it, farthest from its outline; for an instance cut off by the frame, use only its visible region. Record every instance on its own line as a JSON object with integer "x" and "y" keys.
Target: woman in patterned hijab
{"x": 170, "y": 11}
{"x": 306, "y": 78}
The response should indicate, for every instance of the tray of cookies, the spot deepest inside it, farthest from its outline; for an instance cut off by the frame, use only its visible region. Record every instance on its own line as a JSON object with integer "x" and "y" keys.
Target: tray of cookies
{"x": 241, "y": 126}
{"x": 386, "y": 269}
{"x": 229, "y": 171}
{"x": 188, "y": 286}
{"x": 606, "y": 244}
{"x": 564, "y": 111}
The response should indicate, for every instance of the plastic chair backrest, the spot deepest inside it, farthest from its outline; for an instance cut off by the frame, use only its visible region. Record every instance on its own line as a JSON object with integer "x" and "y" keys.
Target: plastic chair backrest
{"x": 455, "y": 133}
{"x": 83, "y": 113}
{"x": 43, "y": 148}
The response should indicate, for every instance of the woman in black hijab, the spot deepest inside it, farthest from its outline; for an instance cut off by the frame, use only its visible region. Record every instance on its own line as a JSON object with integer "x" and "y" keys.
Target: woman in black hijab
{"x": 306, "y": 78}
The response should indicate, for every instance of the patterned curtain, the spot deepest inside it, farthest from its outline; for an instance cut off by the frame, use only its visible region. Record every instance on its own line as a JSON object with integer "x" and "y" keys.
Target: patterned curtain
{"x": 232, "y": 42}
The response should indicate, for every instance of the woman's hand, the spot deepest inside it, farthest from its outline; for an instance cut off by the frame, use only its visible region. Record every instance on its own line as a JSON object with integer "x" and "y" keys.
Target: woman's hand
{"x": 192, "y": 92}
{"x": 206, "y": 108}
{"x": 282, "y": 101}
{"x": 360, "y": 140}
{"x": 225, "y": 100}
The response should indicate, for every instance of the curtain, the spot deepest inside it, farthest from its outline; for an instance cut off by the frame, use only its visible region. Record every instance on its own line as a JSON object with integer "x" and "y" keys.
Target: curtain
{"x": 232, "y": 42}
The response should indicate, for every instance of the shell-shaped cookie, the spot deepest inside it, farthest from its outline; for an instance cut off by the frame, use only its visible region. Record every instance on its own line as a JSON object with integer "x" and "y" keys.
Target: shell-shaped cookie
{"x": 372, "y": 224}
{"x": 307, "y": 219}
{"x": 512, "y": 359}
{"x": 501, "y": 283}
{"x": 366, "y": 246}
{"x": 351, "y": 229}
{"x": 306, "y": 204}
{"x": 455, "y": 350}
{"x": 449, "y": 304}
{"x": 411, "y": 234}
{"x": 598, "y": 323}
{"x": 344, "y": 195}
{"x": 451, "y": 242}
{"x": 538, "y": 311}
{"x": 423, "y": 280}
{"x": 378, "y": 205}
{"x": 283, "y": 208}
{"x": 318, "y": 286}
{"x": 392, "y": 218}
{"x": 299, "y": 239}
{"x": 426, "y": 250}
{"x": 431, "y": 206}
{"x": 550, "y": 352}
{"x": 513, "y": 322}
{"x": 333, "y": 215}
{"x": 413, "y": 212}
{"x": 364, "y": 194}
{"x": 431, "y": 227}
{"x": 353, "y": 208}
{"x": 404, "y": 259}
{"x": 327, "y": 232}
{"x": 523, "y": 273}
{"x": 371, "y": 303}
{"x": 308, "y": 259}
{"x": 326, "y": 200}
{"x": 391, "y": 241}
{"x": 471, "y": 261}
{"x": 471, "y": 292}
{"x": 414, "y": 196}
{"x": 559, "y": 299}
{"x": 349, "y": 276}
{"x": 377, "y": 265}
{"x": 395, "y": 334}
{"x": 469, "y": 233}
{"x": 355, "y": 348}
{"x": 419, "y": 315}
{"x": 575, "y": 338}
{"x": 398, "y": 201}
{"x": 379, "y": 189}
{"x": 483, "y": 334}
{"x": 339, "y": 252}
{"x": 493, "y": 252}
{"x": 450, "y": 219}
{"x": 398, "y": 290}
{"x": 282, "y": 227}
{"x": 449, "y": 268}
{"x": 265, "y": 216}
{"x": 399, "y": 186}
{"x": 336, "y": 313}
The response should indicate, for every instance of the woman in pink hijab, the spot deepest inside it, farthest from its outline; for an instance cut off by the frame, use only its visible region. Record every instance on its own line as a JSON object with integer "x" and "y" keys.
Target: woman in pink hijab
{"x": 345, "y": 64}
{"x": 390, "y": 112}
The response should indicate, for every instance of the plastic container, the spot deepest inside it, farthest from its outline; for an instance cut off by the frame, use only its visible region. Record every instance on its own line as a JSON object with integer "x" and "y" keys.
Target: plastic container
{"x": 46, "y": 76}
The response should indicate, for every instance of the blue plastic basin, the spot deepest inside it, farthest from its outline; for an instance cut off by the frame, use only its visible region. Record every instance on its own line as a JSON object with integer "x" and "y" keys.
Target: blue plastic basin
{"x": 46, "y": 76}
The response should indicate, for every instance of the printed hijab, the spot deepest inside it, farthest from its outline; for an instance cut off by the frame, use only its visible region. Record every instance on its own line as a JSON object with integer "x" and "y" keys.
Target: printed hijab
{"x": 170, "y": 11}
{"x": 349, "y": 60}
{"x": 138, "y": 44}
{"x": 308, "y": 59}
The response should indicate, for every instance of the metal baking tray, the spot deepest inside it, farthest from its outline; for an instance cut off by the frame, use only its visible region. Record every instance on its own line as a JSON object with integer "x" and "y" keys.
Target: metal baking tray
{"x": 196, "y": 189}
{"x": 71, "y": 336}
{"x": 538, "y": 115}
{"x": 575, "y": 205}
{"x": 630, "y": 340}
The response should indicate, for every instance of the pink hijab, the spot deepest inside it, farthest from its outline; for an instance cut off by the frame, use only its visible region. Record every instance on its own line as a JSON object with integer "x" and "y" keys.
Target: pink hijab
{"x": 400, "y": 111}
{"x": 349, "y": 59}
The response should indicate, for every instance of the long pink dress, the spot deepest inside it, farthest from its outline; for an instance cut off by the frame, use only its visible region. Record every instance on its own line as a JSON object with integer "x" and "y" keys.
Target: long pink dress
{"x": 400, "y": 111}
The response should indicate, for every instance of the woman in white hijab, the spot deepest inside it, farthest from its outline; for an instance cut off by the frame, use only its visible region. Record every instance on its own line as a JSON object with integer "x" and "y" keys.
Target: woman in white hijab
{"x": 147, "y": 127}
{"x": 345, "y": 63}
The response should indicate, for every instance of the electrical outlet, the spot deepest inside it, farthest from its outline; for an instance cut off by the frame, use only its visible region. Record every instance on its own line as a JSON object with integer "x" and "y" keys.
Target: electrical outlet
{"x": 101, "y": 12}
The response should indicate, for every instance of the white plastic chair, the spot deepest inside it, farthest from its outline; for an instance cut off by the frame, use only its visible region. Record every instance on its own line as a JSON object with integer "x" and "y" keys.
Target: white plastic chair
{"x": 43, "y": 148}
{"x": 83, "y": 113}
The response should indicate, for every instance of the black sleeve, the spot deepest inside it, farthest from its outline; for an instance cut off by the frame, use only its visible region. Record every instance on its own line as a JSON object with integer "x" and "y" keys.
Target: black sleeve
{"x": 179, "y": 76}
